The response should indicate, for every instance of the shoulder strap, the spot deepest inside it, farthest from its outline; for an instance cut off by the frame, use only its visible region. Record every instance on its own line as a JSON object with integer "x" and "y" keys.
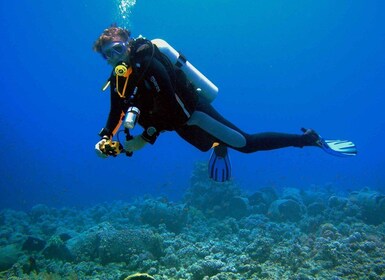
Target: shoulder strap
{"x": 139, "y": 48}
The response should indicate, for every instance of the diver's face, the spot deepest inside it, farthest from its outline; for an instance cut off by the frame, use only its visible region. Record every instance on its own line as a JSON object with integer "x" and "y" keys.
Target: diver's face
{"x": 115, "y": 52}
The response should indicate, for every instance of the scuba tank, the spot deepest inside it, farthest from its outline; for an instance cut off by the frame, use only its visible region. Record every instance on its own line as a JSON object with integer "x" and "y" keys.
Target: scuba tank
{"x": 205, "y": 87}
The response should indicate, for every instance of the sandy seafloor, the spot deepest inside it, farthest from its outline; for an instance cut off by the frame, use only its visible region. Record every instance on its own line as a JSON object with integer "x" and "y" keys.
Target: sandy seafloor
{"x": 216, "y": 232}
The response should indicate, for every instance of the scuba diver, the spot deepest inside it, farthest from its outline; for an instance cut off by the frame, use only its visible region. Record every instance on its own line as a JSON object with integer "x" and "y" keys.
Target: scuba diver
{"x": 153, "y": 85}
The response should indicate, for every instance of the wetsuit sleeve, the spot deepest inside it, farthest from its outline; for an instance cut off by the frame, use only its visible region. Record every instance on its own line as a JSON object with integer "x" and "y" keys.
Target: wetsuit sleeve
{"x": 115, "y": 115}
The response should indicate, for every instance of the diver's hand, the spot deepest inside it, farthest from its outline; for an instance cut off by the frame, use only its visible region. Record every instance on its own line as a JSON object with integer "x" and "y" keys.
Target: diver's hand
{"x": 98, "y": 147}
{"x": 134, "y": 144}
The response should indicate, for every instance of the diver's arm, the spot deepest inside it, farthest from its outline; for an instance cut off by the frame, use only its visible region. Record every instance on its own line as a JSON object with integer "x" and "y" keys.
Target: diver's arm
{"x": 114, "y": 117}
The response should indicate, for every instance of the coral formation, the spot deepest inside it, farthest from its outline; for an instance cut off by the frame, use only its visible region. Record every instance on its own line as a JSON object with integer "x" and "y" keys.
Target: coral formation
{"x": 216, "y": 233}
{"x": 155, "y": 212}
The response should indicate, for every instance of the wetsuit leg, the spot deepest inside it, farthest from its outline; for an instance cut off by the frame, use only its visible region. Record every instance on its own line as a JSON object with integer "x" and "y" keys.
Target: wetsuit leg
{"x": 197, "y": 137}
{"x": 254, "y": 142}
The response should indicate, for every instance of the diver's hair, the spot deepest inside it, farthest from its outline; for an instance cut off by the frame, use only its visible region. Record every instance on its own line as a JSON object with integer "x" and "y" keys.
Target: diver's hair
{"x": 112, "y": 33}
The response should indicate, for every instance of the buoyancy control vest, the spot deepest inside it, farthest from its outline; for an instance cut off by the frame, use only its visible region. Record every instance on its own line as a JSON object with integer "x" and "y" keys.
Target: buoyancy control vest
{"x": 185, "y": 91}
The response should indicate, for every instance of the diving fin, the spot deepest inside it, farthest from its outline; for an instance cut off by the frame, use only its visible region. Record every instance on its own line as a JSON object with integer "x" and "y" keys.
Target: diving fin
{"x": 219, "y": 164}
{"x": 340, "y": 148}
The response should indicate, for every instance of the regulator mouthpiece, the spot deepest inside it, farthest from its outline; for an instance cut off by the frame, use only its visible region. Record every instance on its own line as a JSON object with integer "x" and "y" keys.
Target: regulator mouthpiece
{"x": 121, "y": 70}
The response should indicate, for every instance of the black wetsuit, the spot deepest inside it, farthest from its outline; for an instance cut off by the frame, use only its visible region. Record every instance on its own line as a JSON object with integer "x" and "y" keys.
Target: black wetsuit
{"x": 167, "y": 100}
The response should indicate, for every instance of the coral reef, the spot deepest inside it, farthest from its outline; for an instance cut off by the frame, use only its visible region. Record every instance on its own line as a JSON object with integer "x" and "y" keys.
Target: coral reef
{"x": 156, "y": 212}
{"x": 215, "y": 199}
{"x": 371, "y": 203}
{"x": 285, "y": 210}
{"x": 216, "y": 233}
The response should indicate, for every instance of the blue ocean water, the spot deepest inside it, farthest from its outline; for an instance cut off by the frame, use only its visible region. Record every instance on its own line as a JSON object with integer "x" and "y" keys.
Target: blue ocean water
{"x": 279, "y": 66}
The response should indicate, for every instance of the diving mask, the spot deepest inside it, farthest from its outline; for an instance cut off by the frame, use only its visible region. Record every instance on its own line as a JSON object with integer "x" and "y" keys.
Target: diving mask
{"x": 114, "y": 49}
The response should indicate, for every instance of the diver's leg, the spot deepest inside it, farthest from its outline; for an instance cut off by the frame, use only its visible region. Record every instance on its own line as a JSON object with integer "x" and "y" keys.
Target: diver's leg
{"x": 275, "y": 140}
{"x": 252, "y": 142}
{"x": 197, "y": 137}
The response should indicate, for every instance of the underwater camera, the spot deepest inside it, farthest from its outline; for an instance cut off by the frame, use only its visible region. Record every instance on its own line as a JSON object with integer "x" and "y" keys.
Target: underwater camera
{"x": 111, "y": 148}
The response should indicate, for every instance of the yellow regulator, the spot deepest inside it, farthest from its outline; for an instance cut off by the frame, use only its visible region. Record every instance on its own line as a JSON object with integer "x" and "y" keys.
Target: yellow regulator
{"x": 121, "y": 70}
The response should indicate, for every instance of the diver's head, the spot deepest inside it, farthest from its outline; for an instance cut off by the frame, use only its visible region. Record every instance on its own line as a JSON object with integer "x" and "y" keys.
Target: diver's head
{"x": 112, "y": 44}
